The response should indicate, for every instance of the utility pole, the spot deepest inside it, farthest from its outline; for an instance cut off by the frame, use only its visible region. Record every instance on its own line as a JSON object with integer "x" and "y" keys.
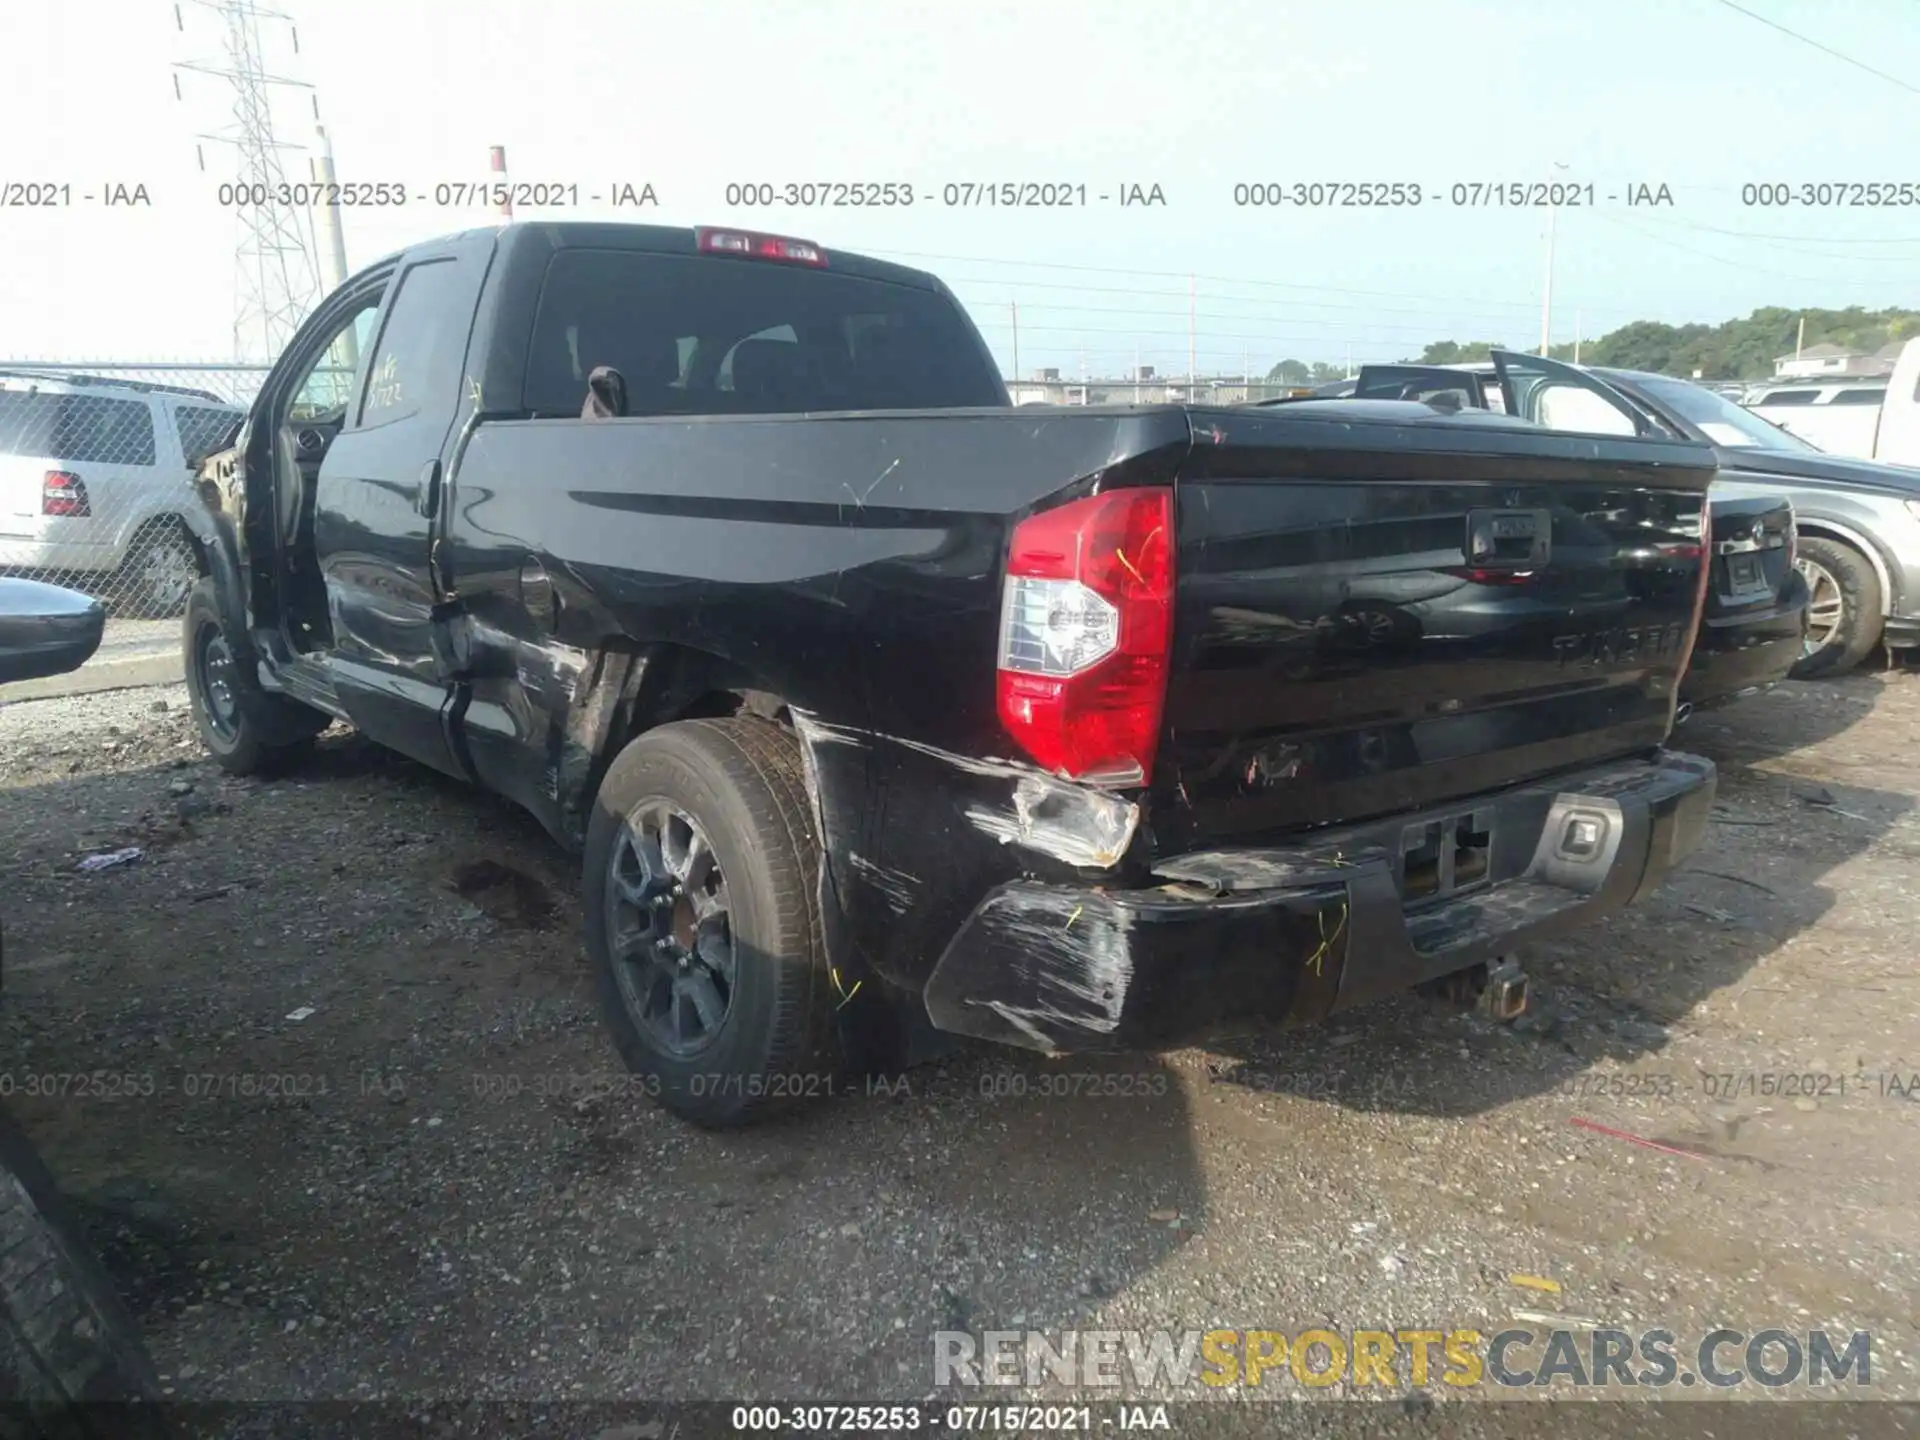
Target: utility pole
{"x": 1014, "y": 306}
{"x": 1136, "y": 374}
{"x": 1193, "y": 353}
{"x": 333, "y": 235}
{"x": 1801, "y": 342}
{"x": 276, "y": 278}
{"x": 1576, "y": 337}
{"x": 1546, "y": 294}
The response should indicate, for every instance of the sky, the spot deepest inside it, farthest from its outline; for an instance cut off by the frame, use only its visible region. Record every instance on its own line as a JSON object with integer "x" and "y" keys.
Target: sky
{"x": 691, "y": 96}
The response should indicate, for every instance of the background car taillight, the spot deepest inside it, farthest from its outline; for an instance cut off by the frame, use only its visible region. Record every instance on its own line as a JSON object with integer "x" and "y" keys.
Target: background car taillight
{"x": 63, "y": 493}
{"x": 1086, "y": 631}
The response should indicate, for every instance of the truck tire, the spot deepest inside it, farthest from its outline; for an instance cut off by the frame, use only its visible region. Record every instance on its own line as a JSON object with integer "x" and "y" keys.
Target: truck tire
{"x": 1845, "y": 589}
{"x": 703, "y": 925}
{"x": 72, "y": 1362}
{"x": 247, "y": 730}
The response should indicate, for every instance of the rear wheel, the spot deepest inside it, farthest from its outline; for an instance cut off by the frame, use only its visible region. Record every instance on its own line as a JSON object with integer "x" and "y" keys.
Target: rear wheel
{"x": 702, "y": 918}
{"x": 65, "y": 1337}
{"x": 247, "y": 730}
{"x": 159, "y": 571}
{"x": 1844, "y": 607}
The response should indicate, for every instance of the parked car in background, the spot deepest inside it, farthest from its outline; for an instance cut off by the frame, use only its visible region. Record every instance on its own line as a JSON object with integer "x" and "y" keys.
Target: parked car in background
{"x": 1868, "y": 419}
{"x": 95, "y": 475}
{"x": 1754, "y": 625}
{"x": 66, "y": 1338}
{"x": 1858, "y": 521}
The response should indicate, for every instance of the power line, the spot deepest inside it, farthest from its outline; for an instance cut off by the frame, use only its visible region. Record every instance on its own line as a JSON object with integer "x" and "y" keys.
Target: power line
{"x": 1183, "y": 275}
{"x": 1824, "y": 49}
{"x": 1758, "y": 235}
{"x": 1735, "y": 264}
{"x": 1254, "y": 309}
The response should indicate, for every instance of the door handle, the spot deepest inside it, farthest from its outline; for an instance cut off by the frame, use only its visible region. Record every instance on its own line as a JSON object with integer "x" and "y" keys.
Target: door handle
{"x": 426, "y": 499}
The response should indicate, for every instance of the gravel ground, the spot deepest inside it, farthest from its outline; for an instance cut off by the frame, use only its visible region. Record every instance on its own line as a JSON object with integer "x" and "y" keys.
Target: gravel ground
{"x": 437, "y": 1183}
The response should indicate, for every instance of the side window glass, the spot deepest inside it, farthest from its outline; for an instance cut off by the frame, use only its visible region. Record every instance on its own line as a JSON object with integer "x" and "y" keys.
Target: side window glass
{"x": 422, "y": 345}
{"x": 323, "y": 395}
{"x": 105, "y": 432}
{"x": 1569, "y": 407}
{"x": 1558, "y": 396}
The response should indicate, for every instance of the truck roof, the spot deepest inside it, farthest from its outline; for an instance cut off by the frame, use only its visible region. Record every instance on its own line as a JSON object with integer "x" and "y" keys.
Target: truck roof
{"x": 667, "y": 240}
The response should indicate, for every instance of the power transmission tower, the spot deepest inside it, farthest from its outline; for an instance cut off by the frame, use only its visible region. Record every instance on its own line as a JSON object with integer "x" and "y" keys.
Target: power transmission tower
{"x": 277, "y": 279}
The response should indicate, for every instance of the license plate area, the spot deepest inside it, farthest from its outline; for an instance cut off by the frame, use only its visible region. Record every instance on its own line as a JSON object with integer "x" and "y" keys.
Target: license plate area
{"x": 1444, "y": 857}
{"x": 1745, "y": 575}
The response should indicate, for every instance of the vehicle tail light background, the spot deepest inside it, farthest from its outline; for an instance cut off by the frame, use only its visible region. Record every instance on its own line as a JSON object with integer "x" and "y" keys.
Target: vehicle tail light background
{"x": 64, "y": 493}
{"x": 1086, "y": 632}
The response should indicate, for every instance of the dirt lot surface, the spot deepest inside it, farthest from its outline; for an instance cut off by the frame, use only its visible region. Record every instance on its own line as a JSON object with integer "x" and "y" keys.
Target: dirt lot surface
{"x": 350, "y": 1127}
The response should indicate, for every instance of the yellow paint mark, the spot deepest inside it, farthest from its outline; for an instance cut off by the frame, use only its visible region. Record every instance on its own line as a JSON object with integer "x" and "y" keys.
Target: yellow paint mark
{"x": 1121, "y": 556}
{"x": 1536, "y": 1282}
{"x": 1317, "y": 959}
{"x": 846, "y": 995}
{"x": 1075, "y": 916}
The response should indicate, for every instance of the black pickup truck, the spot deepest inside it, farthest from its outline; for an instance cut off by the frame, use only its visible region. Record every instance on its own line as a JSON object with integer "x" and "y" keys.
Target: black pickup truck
{"x": 880, "y": 709}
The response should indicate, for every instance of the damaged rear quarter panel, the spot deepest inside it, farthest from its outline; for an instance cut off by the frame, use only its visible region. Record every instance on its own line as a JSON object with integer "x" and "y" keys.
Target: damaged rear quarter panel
{"x": 850, "y": 565}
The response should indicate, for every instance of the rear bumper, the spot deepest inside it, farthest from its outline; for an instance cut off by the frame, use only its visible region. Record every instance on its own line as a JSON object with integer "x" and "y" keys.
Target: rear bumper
{"x": 18, "y": 552}
{"x": 1293, "y": 934}
{"x": 1738, "y": 654}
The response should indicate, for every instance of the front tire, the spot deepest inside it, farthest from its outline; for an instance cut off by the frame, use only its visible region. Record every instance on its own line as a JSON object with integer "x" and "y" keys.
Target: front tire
{"x": 703, "y": 925}
{"x": 245, "y": 729}
{"x": 1844, "y": 608}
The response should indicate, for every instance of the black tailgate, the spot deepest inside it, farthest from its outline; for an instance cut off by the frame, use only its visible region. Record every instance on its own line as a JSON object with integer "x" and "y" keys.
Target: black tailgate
{"x": 1383, "y": 608}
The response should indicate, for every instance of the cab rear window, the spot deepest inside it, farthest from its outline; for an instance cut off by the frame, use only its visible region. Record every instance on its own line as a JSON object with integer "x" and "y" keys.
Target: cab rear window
{"x": 699, "y": 335}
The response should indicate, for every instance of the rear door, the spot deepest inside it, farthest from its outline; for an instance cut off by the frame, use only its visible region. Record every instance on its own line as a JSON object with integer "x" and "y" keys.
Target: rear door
{"x": 1378, "y": 615}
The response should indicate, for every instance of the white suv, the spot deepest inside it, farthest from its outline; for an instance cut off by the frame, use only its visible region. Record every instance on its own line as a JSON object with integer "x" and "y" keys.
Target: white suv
{"x": 94, "y": 475}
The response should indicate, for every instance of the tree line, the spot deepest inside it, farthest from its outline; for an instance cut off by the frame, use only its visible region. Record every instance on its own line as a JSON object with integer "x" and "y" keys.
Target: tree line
{"x": 1742, "y": 349}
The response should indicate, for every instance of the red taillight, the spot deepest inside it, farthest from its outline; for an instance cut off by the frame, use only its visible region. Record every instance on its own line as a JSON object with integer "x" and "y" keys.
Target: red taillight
{"x": 1086, "y": 631}
{"x": 63, "y": 493}
{"x": 759, "y": 247}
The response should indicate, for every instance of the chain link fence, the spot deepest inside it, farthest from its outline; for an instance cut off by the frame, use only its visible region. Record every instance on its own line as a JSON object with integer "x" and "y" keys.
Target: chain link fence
{"x": 96, "y": 467}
